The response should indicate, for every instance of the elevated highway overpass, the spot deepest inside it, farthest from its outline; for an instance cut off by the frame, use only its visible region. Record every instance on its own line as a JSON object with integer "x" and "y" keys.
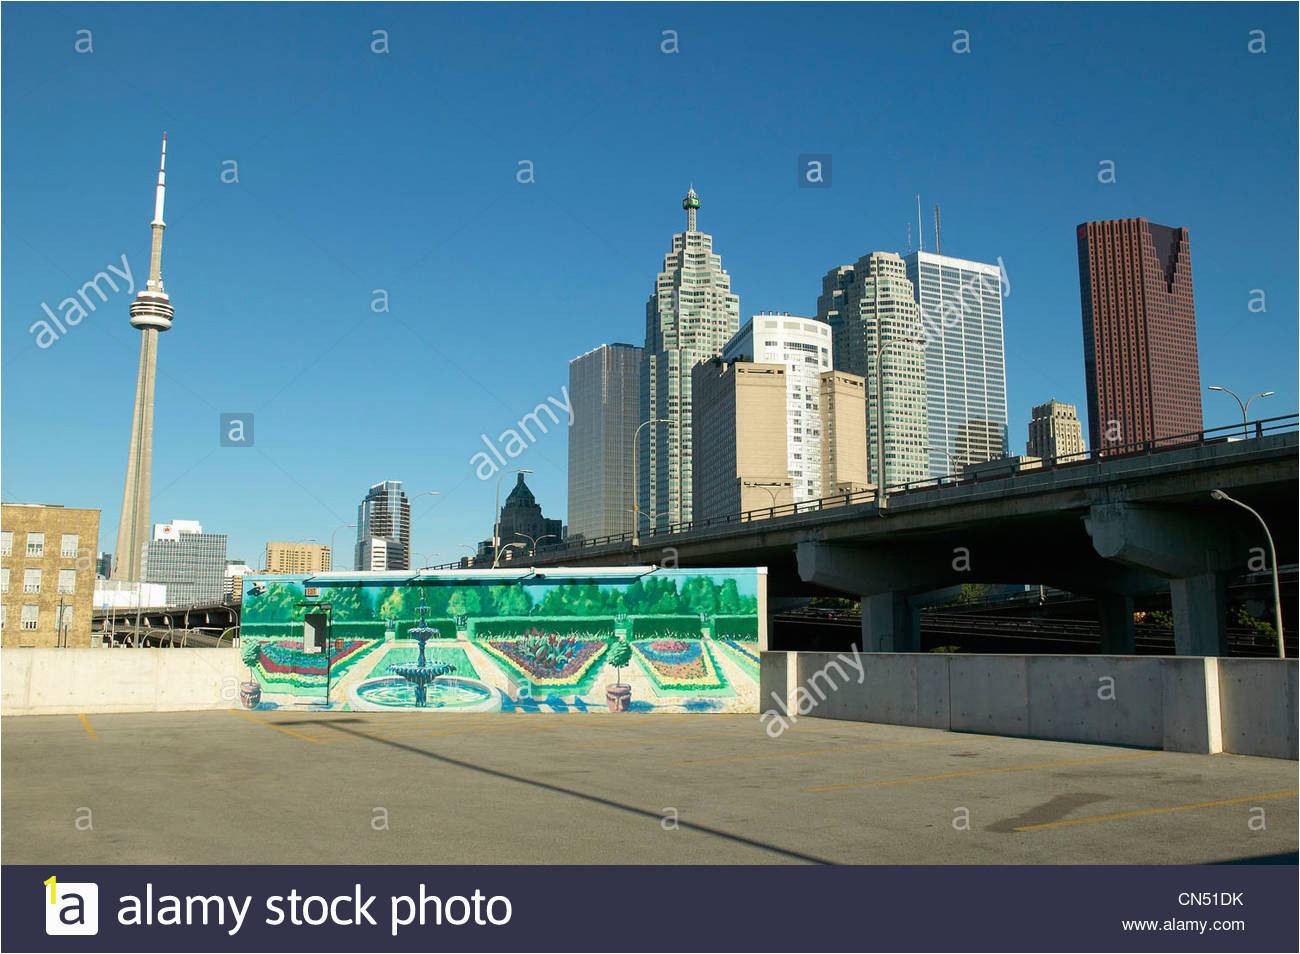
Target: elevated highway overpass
{"x": 1111, "y": 526}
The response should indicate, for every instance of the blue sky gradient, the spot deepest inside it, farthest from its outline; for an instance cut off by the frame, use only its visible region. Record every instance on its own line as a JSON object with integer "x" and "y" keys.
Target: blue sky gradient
{"x": 359, "y": 171}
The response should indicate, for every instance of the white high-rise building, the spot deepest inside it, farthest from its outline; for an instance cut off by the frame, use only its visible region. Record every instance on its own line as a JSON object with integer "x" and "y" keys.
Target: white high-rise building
{"x": 872, "y": 312}
{"x": 959, "y": 305}
{"x": 803, "y": 345}
{"x": 691, "y": 314}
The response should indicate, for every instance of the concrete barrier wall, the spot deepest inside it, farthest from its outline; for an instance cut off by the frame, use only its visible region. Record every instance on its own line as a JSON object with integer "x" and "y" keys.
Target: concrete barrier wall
{"x": 1183, "y": 704}
{"x": 1258, "y": 700}
{"x": 52, "y": 681}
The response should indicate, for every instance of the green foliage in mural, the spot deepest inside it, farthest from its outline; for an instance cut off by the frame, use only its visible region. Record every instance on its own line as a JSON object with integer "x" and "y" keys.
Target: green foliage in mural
{"x": 274, "y": 606}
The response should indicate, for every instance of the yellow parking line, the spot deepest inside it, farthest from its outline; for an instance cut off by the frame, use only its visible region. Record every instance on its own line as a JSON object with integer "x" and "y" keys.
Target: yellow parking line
{"x": 841, "y": 748}
{"x": 278, "y": 728}
{"x": 86, "y": 723}
{"x": 1156, "y": 811}
{"x": 668, "y": 738}
{"x": 988, "y": 771}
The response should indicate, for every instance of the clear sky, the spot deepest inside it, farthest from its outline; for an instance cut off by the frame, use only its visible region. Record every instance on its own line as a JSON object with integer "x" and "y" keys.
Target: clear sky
{"x": 361, "y": 170}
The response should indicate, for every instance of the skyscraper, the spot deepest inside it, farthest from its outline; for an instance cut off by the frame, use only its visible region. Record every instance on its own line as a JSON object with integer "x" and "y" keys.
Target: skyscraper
{"x": 189, "y": 562}
{"x": 959, "y": 304}
{"x": 1139, "y": 332}
{"x": 803, "y": 346}
{"x": 690, "y": 316}
{"x": 876, "y": 334}
{"x": 384, "y": 528}
{"x": 1055, "y": 432}
{"x": 605, "y": 397}
{"x": 151, "y": 312}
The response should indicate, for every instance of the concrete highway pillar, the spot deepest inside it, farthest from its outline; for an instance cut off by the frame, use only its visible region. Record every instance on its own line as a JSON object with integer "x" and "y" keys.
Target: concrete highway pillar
{"x": 890, "y": 624}
{"x": 1200, "y": 605}
{"x": 1115, "y": 614}
{"x": 1192, "y": 548}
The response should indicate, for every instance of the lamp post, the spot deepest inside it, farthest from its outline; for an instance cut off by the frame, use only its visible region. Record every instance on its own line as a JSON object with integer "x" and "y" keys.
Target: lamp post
{"x": 496, "y": 516}
{"x": 411, "y": 504}
{"x": 345, "y": 526}
{"x": 505, "y": 549}
{"x": 533, "y": 541}
{"x": 1245, "y": 408}
{"x": 769, "y": 488}
{"x": 880, "y": 404}
{"x": 636, "y": 477}
{"x": 1272, "y": 553}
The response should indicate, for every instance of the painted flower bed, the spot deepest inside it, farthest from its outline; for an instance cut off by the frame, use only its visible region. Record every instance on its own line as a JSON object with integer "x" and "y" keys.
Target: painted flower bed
{"x": 286, "y": 656}
{"x": 672, "y": 667}
{"x": 546, "y": 659}
{"x": 743, "y": 652}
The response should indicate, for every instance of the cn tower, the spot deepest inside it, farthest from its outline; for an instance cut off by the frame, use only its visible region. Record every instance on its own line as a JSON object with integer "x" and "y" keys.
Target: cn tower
{"x": 151, "y": 312}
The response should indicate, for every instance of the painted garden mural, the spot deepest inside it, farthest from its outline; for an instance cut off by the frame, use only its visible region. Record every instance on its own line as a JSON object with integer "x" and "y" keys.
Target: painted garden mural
{"x": 665, "y": 640}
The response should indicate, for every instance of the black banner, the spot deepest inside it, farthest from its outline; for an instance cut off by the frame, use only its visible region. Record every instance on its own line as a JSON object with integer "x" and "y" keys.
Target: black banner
{"x": 549, "y": 908}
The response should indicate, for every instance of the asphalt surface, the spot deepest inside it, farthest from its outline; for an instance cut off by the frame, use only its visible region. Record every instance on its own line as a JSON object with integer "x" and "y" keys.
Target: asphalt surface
{"x": 230, "y": 787}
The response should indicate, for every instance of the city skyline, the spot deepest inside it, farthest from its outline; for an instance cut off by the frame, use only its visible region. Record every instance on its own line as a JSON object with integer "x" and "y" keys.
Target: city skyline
{"x": 310, "y": 270}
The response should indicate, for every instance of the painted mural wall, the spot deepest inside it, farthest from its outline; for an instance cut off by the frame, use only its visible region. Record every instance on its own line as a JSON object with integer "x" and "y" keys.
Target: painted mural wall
{"x": 669, "y": 640}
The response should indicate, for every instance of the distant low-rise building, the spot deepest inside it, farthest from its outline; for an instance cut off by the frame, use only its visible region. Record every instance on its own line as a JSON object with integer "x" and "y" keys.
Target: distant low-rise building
{"x": 124, "y": 594}
{"x": 47, "y": 574}
{"x": 297, "y": 557}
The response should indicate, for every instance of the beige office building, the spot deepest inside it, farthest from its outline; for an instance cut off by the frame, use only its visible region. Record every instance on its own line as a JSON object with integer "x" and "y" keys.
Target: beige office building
{"x": 843, "y": 433}
{"x": 742, "y": 446}
{"x": 1055, "y": 432}
{"x": 297, "y": 558}
{"x": 47, "y": 574}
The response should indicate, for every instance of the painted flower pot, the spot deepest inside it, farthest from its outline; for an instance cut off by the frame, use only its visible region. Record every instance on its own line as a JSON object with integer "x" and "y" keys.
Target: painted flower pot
{"x": 250, "y": 694}
{"x": 618, "y": 697}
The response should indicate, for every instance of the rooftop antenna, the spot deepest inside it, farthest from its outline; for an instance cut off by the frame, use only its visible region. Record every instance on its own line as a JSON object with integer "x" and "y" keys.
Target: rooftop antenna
{"x": 936, "y": 229}
{"x": 920, "y": 231}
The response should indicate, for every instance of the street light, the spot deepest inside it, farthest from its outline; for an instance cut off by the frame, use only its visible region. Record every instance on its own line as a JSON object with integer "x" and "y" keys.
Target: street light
{"x": 1272, "y": 552}
{"x": 496, "y": 516}
{"x": 770, "y": 492}
{"x": 1245, "y": 427}
{"x": 636, "y": 476}
{"x": 533, "y": 541}
{"x": 345, "y": 526}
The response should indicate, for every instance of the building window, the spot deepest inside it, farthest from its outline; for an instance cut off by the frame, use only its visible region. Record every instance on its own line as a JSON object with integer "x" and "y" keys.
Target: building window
{"x": 31, "y": 581}
{"x": 31, "y": 616}
{"x": 67, "y": 581}
{"x": 6, "y": 543}
{"x": 4, "y": 615}
{"x": 68, "y": 548}
{"x": 35, "y": 544}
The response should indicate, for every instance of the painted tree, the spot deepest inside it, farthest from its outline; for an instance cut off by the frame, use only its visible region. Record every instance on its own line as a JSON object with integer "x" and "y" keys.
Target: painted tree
{"x": 465, "y": 601}
{"x": 620, "y": 654}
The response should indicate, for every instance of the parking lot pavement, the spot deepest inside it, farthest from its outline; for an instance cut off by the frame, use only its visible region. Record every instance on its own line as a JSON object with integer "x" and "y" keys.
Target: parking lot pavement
{"x": 233, "y": 787}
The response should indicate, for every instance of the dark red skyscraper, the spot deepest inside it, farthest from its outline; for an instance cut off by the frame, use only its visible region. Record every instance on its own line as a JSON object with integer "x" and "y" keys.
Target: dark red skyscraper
{"x": 1139, "y": 332}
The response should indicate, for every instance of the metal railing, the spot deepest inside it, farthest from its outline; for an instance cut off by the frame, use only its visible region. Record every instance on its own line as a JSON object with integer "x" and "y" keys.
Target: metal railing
{"x": 985, "y": 471}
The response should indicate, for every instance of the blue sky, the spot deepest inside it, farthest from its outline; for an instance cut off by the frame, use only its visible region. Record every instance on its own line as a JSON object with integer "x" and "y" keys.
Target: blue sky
{"x": 360, "y": 171}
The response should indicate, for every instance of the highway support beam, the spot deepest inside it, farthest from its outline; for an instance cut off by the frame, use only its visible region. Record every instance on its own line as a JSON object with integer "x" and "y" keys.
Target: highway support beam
{"x": 1191, "y": 548}
{"x": 882, "y": 578}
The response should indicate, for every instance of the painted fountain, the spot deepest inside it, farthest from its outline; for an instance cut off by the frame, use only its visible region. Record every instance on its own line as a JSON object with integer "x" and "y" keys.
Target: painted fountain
{"x": 423, "y": 685}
